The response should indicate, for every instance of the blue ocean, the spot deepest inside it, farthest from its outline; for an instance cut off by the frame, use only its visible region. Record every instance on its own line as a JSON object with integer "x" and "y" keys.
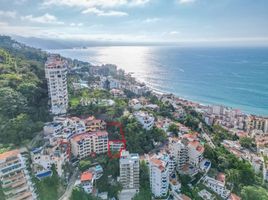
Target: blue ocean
{"x": 236, "y": 77}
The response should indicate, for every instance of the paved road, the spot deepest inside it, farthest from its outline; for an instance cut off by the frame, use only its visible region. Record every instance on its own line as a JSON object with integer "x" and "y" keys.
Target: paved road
{"x": 68, "y": 192}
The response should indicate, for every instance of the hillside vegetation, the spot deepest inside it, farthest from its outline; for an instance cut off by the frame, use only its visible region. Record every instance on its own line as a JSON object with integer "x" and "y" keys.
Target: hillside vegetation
{"x": 23, "y": 91}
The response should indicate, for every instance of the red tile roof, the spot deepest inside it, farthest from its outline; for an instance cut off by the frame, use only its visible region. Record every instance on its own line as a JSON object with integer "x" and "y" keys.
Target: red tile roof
{"x": 234, "y": 197}
{"x": 86, "y": 176}
{"x": 8, "y": 154}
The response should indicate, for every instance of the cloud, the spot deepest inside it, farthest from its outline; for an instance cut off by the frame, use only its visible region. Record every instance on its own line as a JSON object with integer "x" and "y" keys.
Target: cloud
{"x": 186, "y": 1}
{"x": 3, "y": 24}
{"x": 44, "y": 19}
{"x": 151, "y": 20}
{"x": 8, "y": 14}
{"x": 99, "y": 12}
{"x": 76, "y": 24}
{"x": 174, "y": 32}
{"x": 94, "y": 3}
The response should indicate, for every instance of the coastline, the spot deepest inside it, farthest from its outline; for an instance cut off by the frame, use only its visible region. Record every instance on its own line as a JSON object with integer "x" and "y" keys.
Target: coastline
{"x": 196, "y": 102}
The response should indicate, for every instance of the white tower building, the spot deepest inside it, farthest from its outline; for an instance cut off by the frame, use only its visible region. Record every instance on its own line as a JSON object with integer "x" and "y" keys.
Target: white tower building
{"x": 56, "y": 75}
{"x": 129, "y": 170}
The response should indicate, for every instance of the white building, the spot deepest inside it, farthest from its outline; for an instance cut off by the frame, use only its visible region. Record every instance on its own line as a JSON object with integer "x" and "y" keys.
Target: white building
{"x": 129, "y": 170}
{"x": 265, "y": 171}
{"x": 44, "y": 157}
{"x": 195, "y": 153}
{"x": 56, "y": 75}
{"x": 135, "y": 104}
{"x": 65, "y": 127}
{"x": 86, "y": 144}
{"x": 257, "y": 123}
{"x": 86, "y": 181}
{"x": 180, "y": 153}
{"x": 15, "y": 180}
{"x": 186, "y": 150}
{"x": 217, "y": 186}
{"x": 146, "y": 119}
{"x": 159, "y": 176}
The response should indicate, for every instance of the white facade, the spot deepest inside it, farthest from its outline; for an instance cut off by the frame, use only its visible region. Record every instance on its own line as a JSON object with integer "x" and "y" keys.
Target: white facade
{"x": 56, "y": 75}
{"x": 180, "y": 153}
{"x": 186, "y": 151}
{"x": 129, "y": 170}
{"x": 159, "y": 176}
{"x": 195, "y": 153}
{"x": 217, "y": 186}
{"x": 47, "y": 156}
{"x": 135, "y": 104}
{"x": 146, "y": 119}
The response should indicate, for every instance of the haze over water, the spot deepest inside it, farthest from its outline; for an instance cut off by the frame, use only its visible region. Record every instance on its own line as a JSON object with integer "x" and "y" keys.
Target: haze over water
{"x": 236, "y": 77}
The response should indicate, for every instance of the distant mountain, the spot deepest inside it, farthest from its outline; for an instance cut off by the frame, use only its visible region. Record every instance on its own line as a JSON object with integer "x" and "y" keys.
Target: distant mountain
{"x": 69, "y": 44}
{"x": 46, "y": 43}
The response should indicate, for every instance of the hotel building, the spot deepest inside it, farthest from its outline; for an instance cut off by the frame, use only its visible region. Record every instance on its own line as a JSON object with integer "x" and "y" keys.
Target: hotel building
{"x": 56, "y": 75}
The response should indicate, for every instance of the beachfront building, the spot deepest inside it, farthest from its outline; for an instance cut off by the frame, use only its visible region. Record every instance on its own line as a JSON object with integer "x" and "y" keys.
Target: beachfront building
{"x": 217, "y": 186}
{"x": 257, "y": 123}
{"x": 146, "y": 119}
{"x": 159, "y": 176}
{"x": 89, "y": 143}
{"x": 56, "y": 75}
{"x": 15, "y": 180}
{"x": 129, "y": 170}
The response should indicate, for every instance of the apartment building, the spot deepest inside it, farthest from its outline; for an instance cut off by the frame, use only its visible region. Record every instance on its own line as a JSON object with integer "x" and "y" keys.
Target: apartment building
{"x": 129, "y": 170}
{"x": 195, "y": 153}
{"x": 217, "y": 186}
{"x": 146, "y": 119}
{"x": 44, "y": 157}
{"x": 89, "y": 143}
{"x": 65, "y": 127}
{"x": 135, "y": 104}
{"x": 56, "y": 75}
{"x": 257, "y": 123}
{"x": 159, "y": 176}
{"x": 186, "y": 150}
{"x": 92, "y": 124}
{"x": 180, "y": 153}
{"x": 15, "y": 180}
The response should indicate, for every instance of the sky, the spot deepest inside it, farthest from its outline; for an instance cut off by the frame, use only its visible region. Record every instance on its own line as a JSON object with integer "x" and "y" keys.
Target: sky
{"x": 138, "y": 20}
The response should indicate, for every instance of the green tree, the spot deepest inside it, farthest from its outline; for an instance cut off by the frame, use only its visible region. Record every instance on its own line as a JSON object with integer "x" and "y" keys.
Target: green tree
{"x": 174, "y": 129}
{"x": 11, "y": 102}
{"x": 246, "y": 142}
{"x": 84, "y": 165}
{"x": 254, "y": 193}
{"x": 80, "y": 194}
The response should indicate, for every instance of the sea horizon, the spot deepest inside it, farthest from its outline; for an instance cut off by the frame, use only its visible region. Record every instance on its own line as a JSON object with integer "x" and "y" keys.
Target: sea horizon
{"x": 229, "y": 76}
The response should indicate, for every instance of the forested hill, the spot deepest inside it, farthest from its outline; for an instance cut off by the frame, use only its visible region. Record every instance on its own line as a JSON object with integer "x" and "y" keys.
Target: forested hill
{"x": 23, "y": 92}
